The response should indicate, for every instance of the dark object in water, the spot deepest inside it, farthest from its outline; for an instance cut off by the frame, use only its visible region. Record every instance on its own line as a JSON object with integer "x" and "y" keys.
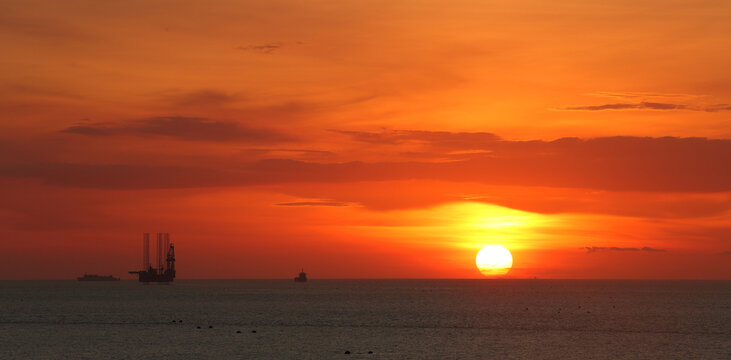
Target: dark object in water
{"x": 347, "y": 352}
{"x": 164, "y": 272}
{"x": 94, "y": 277}
{"x": 302, "y": 277}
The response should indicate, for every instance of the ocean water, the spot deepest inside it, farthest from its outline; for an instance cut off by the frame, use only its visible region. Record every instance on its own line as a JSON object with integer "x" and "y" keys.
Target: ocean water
{"x": 393, "y": 319}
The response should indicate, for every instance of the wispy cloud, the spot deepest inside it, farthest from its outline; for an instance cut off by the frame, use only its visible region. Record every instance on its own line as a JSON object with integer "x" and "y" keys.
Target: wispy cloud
{"x": 203, "y": 97}
{"x": 645, "y": 105}
{"x": 314, "y": 203}
{"x": 593, "y": 249}
{"x": 182, "y": 127}
{"x": 435, "y": 139}
{"x": 266, "y": 48}
{"x": 646, "y": 96}
{"x": 626, "y": 106}
{"x": 649, "y": 101}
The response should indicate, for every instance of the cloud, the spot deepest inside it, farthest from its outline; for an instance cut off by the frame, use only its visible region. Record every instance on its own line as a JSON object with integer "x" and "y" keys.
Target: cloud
{"x": 415, "y": 194}
{"x": 718, "y": 107}
{"x": 632, "y": 204}
{"x": 266, "y": 48}
{"x": 650, "y": 101}
{"x": 201, "y": 98}
{"x": 435, "y": 139}
{"x": 619, "y": 163}
{"x": 295, "y": 151}
{"x": 314, "y": 203}
{"x": 91, "y": 130}
{"x": 40, "y": 92}
{"x": 666, "y": 164}
{"x": 647, "y": 248}
{"x": 644, "y": 95}
{"x": 300, "y": 154}
{"x": 630, "y": 106}
{"x": 122, "y": 176}
{"x": 592, "y": 249}
{"x": 181, "y": 127}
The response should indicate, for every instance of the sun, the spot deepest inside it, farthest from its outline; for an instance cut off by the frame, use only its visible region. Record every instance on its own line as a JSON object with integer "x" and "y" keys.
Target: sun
{"x": 494, "y": 260}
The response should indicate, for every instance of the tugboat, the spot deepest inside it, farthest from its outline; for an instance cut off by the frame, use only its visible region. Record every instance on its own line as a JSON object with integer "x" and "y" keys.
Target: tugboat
{"x": 302, "y": 277}
{"x": 95, "y": 277}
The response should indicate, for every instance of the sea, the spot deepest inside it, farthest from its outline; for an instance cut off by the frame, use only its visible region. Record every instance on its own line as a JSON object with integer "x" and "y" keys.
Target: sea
{"x": 366, "y": 319}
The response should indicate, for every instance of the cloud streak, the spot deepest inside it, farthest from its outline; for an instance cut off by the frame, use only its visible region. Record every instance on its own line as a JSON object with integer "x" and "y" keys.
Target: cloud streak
{"x": 314, "y": 203}
{"x": 266, "y": 48}
{"x": 182, "y": 127}
{"x": 593, "y": 249}
{"x": 647, "y": 105}
{"x": 661, "y": 102}
{"x": 201, "y": 98}
{"x": 666, "y": 164}
{"x": 435, "y": 139}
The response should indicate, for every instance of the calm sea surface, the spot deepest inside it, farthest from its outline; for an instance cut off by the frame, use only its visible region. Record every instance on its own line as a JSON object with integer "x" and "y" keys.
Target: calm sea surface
{"x": 393, "y": 319}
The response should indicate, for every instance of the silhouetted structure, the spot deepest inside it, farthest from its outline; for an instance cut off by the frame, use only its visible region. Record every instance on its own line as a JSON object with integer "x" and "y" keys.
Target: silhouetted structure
{"x": 302, "y": 277}
{"x": 95, "y": 277}
{"x": 163, "y": 272}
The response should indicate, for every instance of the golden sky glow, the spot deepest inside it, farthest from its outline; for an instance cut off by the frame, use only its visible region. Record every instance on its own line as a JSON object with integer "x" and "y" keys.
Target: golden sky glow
{"x": 367, "y": 138}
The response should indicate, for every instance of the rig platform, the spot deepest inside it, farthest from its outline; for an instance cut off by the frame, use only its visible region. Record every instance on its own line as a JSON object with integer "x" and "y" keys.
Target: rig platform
{"x": 165, "y": 270}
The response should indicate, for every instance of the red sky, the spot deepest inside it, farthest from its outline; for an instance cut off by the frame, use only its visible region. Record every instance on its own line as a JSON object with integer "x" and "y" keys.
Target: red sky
{"x": 363, "y": 139}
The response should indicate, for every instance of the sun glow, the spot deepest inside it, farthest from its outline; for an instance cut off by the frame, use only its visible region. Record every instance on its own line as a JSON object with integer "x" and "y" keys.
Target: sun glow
{"x": 494, "y": 260}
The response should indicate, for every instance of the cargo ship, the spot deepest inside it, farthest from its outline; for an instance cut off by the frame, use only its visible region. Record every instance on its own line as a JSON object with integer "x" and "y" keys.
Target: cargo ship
{"x": 165, "y": 270}
{"x": 302, "y": 277}
{"x": 95, "y": 277}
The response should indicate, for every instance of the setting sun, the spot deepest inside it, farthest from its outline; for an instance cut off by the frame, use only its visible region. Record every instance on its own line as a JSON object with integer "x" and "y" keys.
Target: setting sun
{"x": 494, "y": 260}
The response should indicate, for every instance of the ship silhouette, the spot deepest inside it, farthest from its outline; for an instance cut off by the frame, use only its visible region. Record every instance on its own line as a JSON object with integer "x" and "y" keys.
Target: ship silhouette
{"x": 302, "y": 277}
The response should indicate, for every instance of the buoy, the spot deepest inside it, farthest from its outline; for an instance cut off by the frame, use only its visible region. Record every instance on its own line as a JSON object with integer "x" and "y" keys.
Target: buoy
{"x": 253, "y": 331}
{"x": 210, "y": 326}
{"x": 370, "y": 352}
{"x": 347, "y": 352}
{"x": 197, "y": 327}
{"x": 238, "y": 331}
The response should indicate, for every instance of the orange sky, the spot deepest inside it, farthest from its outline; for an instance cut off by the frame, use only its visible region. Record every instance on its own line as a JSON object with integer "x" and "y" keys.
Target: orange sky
{"x": 363, "y": 139}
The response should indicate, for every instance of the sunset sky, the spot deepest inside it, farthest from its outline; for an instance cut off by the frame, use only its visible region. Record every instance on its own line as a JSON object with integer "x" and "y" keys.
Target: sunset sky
{"x": 366, "y": 139}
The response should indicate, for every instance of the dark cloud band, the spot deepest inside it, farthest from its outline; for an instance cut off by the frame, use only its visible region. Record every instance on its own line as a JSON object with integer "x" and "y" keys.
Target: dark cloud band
{"x": 181, "y": 127}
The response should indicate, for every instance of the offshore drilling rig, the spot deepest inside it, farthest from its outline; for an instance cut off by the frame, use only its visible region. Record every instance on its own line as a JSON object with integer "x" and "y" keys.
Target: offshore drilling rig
{"x": 165, "y": 271}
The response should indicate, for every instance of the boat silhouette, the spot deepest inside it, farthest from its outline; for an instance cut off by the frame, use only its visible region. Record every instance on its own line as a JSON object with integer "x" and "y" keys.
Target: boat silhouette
{"x": 302, "y": 277}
